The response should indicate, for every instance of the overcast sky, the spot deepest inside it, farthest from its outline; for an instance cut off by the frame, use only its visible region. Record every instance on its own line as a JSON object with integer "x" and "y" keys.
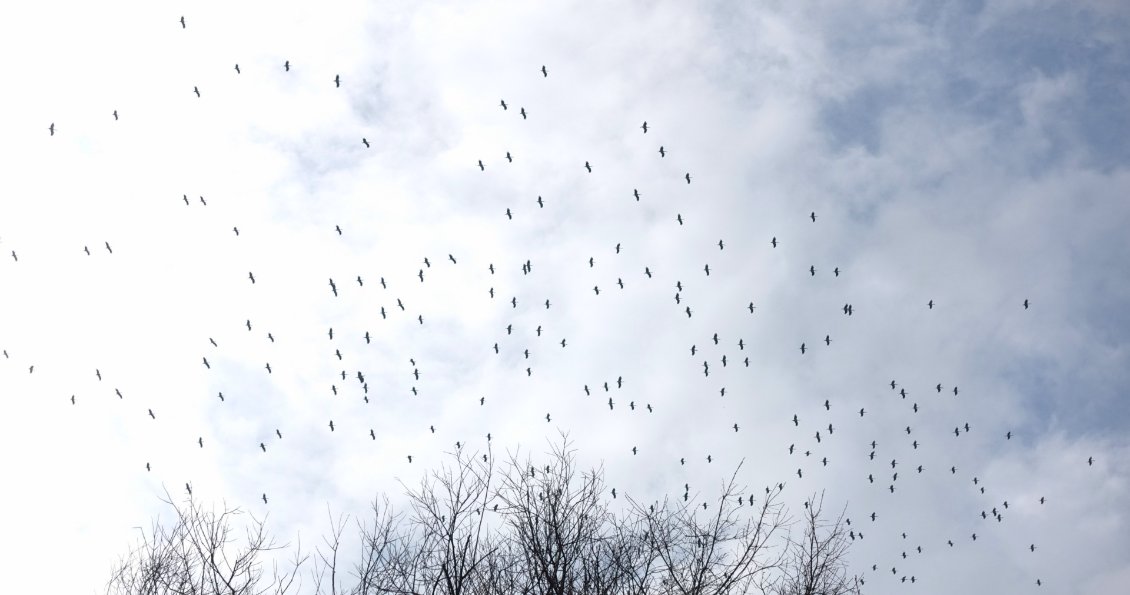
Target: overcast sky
{"x": 972, "y": 156}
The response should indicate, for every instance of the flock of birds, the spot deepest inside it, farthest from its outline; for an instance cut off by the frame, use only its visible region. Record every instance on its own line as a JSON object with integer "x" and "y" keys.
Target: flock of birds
{"x": 811, "y": 435}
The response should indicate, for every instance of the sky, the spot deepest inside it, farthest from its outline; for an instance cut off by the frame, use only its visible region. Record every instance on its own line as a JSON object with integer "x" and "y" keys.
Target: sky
{"x": 960, "y": 160}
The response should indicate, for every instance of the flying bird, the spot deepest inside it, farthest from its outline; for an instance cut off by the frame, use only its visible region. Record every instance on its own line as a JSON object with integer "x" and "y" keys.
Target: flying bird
{"x": 503, "y": 103}
{"x": 182, "y": 27}
{"x": 52, "y": 128}
{"x": 237, "y": 68}
{"x": 588, "y": 167}
{"x": 286, "y": 65}
{"x": 337, "y": 80}
{"x": 365, "y": 142}
{"x": 688, "y": 177}
{"x": 543, "y": 71}
{"x": 197, "y": 91}
{"x": 644, "y": 127}
{"x": 522, "y": 111}
{"x": 662, "y": 152}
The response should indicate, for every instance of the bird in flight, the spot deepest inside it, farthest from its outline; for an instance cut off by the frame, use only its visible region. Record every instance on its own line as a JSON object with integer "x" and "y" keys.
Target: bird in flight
{"x": 264, "y": 498}
{"x": 337, "y": 80}
{"x": 52, "y": 128}
{"x": 802, "y": 348}
{"x": 588, "y": 167}
{"x": 331, "y": 425}
{"x": 237, "y": 68}
{"x": 1025, "y": 304}
{"x": 688, "y": 177}
{"x": 543, "y": 71}
{"x": 930, "y": 304}
{"x": 522, "y": 111}
{"x": 197, "y": 91}
{"x": 541, "y": 203}
{"x": 662, "y": 152}
{"x": 365, "y": 142}
{"x": 644, "y": 127}
{"x": 503, "y": 103}
{"x": 286, "y": 65}
{"x": 182, "y": 27}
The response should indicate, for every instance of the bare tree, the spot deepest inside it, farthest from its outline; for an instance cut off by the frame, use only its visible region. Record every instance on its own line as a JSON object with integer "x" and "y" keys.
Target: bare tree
{"x": 561, "y": 524}
{"x": 200, "y": 554}
{"x": 545, "y": 528}
{"x": 448, "y": 512}
{"x": 817, "y": 560}
{"x": 724, "y": 550}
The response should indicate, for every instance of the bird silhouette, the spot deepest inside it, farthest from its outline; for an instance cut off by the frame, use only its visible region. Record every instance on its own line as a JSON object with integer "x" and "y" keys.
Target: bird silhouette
{"x": 337, "y": 80}
{"x": 543, "y": 71}
{"x": 182, "y": 27}
{"x": 588, "y": 167}
{"x": 644, "y": 127}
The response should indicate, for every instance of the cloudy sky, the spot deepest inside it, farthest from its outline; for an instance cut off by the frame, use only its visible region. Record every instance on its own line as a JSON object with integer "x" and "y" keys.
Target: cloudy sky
{"x": 970, "y": 155}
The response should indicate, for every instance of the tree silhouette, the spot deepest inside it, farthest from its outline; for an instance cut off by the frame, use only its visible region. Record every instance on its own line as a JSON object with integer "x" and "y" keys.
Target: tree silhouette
{"x": 532, "y": 528}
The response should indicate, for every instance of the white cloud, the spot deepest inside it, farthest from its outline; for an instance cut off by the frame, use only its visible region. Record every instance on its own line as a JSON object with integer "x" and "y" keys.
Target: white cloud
{"x": 776, "y": 112}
